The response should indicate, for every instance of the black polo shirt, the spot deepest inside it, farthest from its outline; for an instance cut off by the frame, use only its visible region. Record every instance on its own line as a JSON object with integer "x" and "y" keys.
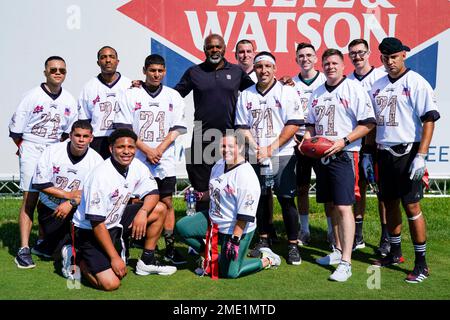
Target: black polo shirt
{"x": 215, "y": 93}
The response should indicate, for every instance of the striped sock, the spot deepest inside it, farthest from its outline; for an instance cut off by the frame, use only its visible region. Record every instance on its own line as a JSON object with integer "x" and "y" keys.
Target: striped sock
{"x": 420, "y": 251}
{"x": 396, "y": 244}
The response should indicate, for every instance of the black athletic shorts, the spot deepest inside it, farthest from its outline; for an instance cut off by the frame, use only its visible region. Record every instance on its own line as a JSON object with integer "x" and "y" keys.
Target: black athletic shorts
{"x": 88, "y": 248}
{"x": 166, "y": 186}
{"x": 303, "y": 168}
{"x": 393, "y": 175}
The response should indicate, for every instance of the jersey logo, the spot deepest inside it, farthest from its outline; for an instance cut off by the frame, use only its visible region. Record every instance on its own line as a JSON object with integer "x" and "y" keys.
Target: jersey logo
{"x": 115, "y": 194}
{"x": 38, "y": 109}
{"x": 314, "y": 103}
{"x": 406, "y": 92}
{"x": 344, "y": 102}
{"x": 67, "y": 112}
{"x": 137, "y": 106}
{"x": 72, "y": 171}
{"x": 229, "y": 76}
{"x": 96, "y": 100}
{"x": 55, "y": 170}
{"x": 249, "y": 202}
{"x": 111, "y": 94}
{"x": 54, "y": 106}
{"x": 228, "y": 189}
{"x": 278, "y": 104}
{"x": 170, "y": 107}
{"x": 376, "y": 93}
{"x": 249, "y": 105}
{"x": 95, "y": 201}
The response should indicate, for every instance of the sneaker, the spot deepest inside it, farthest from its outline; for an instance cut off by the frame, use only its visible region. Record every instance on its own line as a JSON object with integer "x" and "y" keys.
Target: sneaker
{"x": 255, "y": 252}
{"x": 23, "y": 259}
{"x": 304, "y": 238}
{"x": 293, "y": 255}
{"x": 199, "y": 270}
{"x": 389, "y": 260}
{"x": 342, "y": 272}
{"x": 384, "y": 248}
{"x": 67, "y": 265}
{"x": 358, "y": 244}
{"x": 39, "y": 250}
{"x": 192, "y": 252}
{"x": 419, "y": 274}
{"x": 155, "y": 267}
{"x": 174, "y": 256}
{"x": 274, "y": 259}
{"x": 330, "y": 259}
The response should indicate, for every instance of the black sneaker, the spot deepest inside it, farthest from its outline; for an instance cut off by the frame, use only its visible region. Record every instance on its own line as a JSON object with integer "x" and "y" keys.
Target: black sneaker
{"x": 293, "y": 255}
{"x": 172, "y": 255}
{"x": 263, "y": 243}
{"x": 389, "y": 260}
{"x": 420, "y": 273}
{"x": 23, "y": 259}
{"x": 40, "y": 250}
{"x": 384, "y": 247}
{"x": 358, "y": 244}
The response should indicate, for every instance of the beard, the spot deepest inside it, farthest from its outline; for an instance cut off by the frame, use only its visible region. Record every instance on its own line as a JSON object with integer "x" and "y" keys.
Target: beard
{"x": 215, "y": 59}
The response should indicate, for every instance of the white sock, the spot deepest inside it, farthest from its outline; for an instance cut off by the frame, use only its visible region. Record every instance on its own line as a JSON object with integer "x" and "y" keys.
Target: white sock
{"x": 330, "y": 225}
{"x": 304, "y": 223}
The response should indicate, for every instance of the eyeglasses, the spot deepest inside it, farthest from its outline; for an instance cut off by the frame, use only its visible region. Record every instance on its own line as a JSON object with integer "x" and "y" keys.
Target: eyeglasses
{"x": 304, "y": 56}
{"x": 61, "y": 70}
{"x": 360, "y": 53}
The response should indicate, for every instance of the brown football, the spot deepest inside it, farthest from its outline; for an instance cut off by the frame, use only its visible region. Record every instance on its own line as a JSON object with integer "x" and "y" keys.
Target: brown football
{"x": 316, "y": 147}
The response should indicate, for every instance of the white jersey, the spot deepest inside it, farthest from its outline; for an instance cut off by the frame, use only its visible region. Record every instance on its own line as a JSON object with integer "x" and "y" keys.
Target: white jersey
{"x": 267, "y": 114}
{"x": 369, "y": 78}
{"x": 305, "y": 90}
{"x": 42, "y": 117}
{"x": 253, "y": 76}
{"x": 400, "y": 107}
{"x": 233, "y": 196}
{"x": 98, "y": 103}
{"x": 57, "y": 169}
{"x": 152, "y": 116}
{"x": 338, "y": 112}
{"x": 106, "y": 193}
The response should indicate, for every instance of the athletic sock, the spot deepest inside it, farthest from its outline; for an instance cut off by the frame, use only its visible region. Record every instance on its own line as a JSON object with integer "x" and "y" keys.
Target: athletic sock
{"x": 384, "y": 231}
{"x": 169, "y": 238}
{"x": 359, "y": 229}
{"x": 148, "y": 256}
{"x": 304, "y": 223}
{"x": 395, "y": 240}
{"x": 420, "y": 249}
{"x": 330, "y": 225}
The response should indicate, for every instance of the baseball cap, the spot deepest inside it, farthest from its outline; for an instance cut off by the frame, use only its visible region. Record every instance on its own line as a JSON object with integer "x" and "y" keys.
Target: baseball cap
{"x": 392, "y": 45}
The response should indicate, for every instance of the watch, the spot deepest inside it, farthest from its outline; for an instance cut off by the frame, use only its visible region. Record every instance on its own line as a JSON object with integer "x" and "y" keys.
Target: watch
{"x": 346, "y": 141}
{"x": 235, "y": 239}
{"x": 73, "y": 203}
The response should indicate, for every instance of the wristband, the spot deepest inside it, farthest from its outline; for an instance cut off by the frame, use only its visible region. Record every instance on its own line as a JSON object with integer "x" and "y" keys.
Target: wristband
{"x": 346, "y": 141}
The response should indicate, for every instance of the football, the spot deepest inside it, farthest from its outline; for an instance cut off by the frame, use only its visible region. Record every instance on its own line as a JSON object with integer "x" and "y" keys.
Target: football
{"x": 315, "y": 147}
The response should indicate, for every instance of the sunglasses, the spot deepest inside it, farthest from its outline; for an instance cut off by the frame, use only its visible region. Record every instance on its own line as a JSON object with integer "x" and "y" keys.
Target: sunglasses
{"x": 60, "y": 70}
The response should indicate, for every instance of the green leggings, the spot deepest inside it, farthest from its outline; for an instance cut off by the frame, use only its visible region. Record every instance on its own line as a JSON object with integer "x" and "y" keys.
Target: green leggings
{"x": 192, "y": 231}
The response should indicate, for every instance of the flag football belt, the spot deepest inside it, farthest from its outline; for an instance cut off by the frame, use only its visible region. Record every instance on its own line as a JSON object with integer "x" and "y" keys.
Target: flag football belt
{"x": 398, "y": 150}
{"x": 211, "y": 262}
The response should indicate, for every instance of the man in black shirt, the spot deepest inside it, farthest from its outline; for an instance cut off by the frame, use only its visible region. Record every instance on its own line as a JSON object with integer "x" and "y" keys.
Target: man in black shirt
{"x": 216, "y": 84}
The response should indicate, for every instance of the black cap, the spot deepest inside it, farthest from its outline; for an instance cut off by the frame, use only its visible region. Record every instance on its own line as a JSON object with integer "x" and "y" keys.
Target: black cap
{"x": 392, "y": 45}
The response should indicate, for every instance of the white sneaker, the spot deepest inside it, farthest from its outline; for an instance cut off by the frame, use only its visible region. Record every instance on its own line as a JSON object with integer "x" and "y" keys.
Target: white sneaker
{"x": 330, "y": 259}
{"x": 68, "y": 270}
{"x": 342, "y": 272}
{"x": 274, "y": 259}
{"x": 156, "y": 267}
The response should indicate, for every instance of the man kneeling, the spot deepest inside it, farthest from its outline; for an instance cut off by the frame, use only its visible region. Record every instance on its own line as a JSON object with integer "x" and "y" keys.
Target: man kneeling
{"x": 104, "y": 218}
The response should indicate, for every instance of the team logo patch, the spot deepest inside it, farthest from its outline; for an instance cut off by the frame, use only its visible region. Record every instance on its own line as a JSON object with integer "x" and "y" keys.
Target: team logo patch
{"x": 314, "y": 103}
{"x": 248, "y": 106}
{"x": 96, "y": 100}
{"x": 229, "y": 76}
{"x": 277, "y": 104}
{"x": 56, "y": 170}
{"x": 67, "y": 112}
{"x": 248, "y": 204}
{"x": 344, "y": 102}
{"x": 228, "y": 189}
{"x": 406, "y": 91}
{"x": 38, "y": 109}
{"x": 137, "y": 106}
{"x": 72, "y": 171}
{"x": 376, "y": 93}
{"x": 95, "y": 202}
{"x": 111, "y": 94}
{"x": 115, "y": 194}
{"x": 54, "y": 106}
{"x": 170, "y": 107}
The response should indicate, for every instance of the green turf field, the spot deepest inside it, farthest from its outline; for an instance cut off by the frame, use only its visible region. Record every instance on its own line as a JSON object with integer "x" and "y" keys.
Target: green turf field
{"x": 307, "y": 281}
